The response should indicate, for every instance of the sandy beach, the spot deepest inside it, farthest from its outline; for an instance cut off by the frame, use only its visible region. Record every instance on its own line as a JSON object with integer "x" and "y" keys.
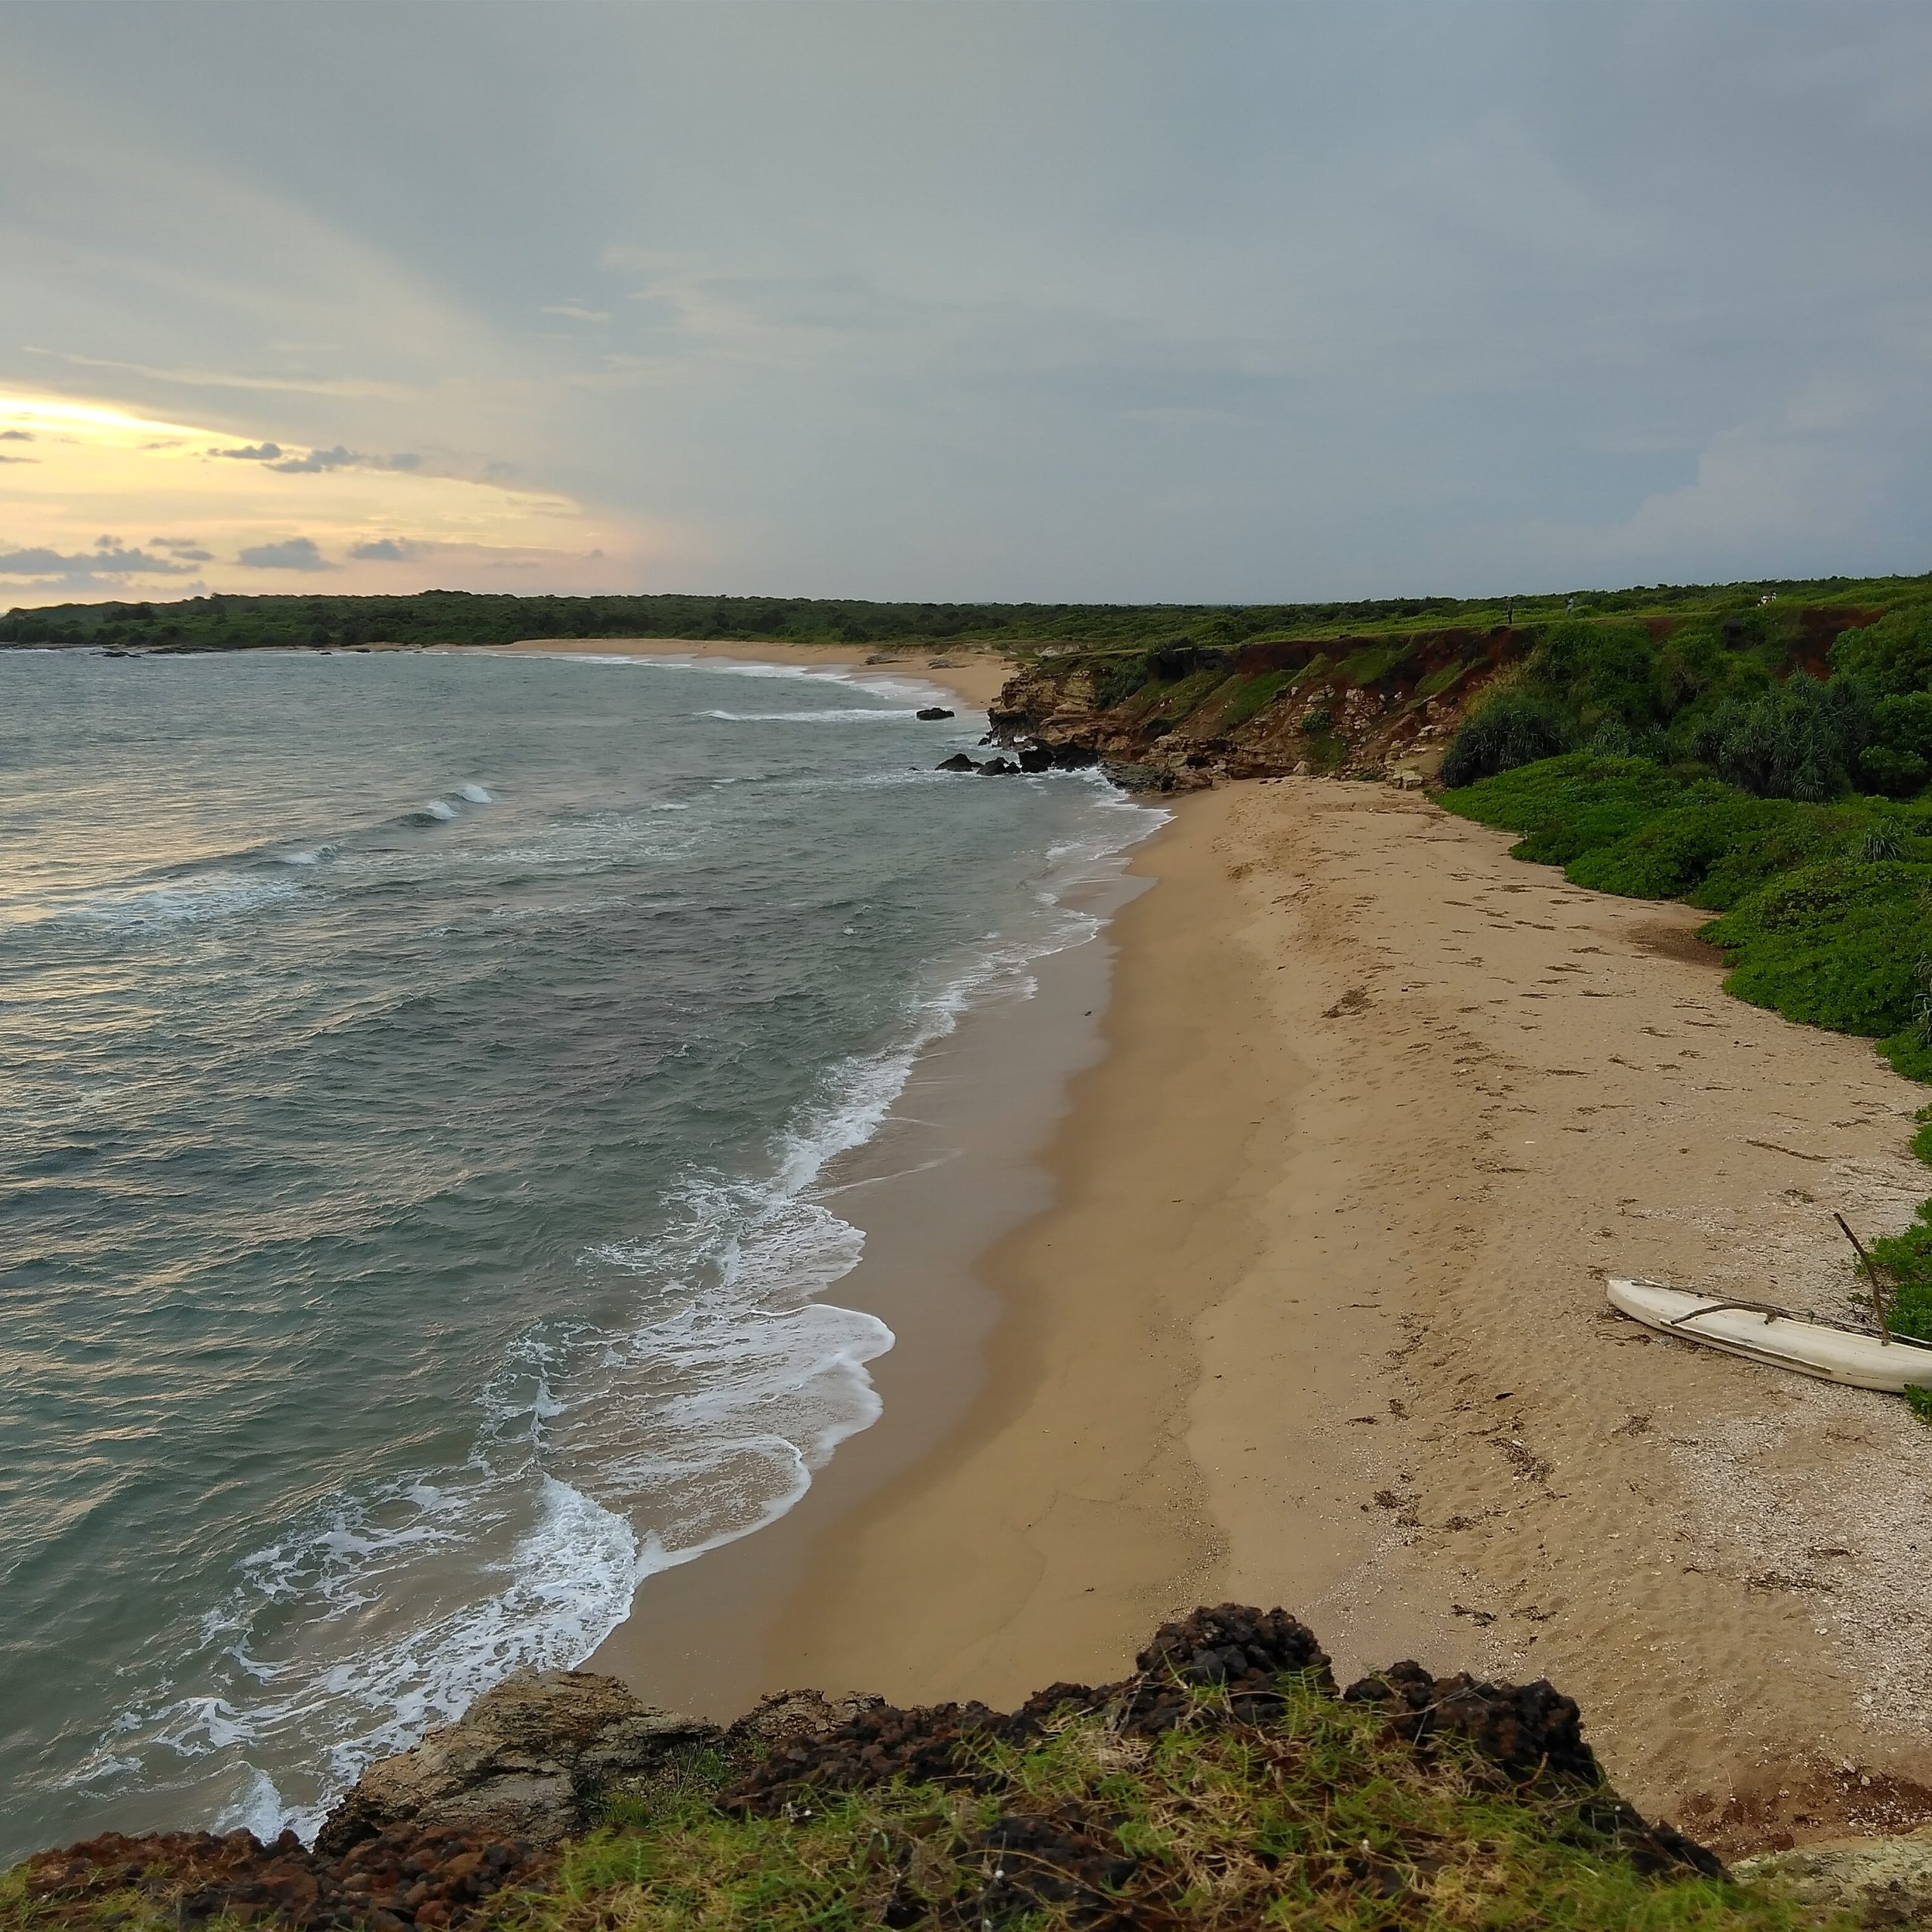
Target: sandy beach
{"x": 1317, "y": 1319}
{"x": 1295, "y": 1297}
{"x": 974, "y": 676}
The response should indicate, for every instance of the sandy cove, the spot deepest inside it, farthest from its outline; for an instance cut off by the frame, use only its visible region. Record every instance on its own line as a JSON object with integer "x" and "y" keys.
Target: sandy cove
{"x": 1318, "y": 1319}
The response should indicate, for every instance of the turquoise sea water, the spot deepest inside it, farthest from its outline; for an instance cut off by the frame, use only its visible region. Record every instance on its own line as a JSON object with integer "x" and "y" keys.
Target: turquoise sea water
{"x": 416, "y": 1073}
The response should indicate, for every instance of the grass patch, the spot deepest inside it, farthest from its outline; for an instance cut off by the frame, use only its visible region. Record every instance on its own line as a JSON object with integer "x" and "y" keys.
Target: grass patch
{"x": 1255, "y": 695}
{"x": 1439, "y": 680}
{"x": 1374, "y": 662}
{"x": 1314, "y": 1819}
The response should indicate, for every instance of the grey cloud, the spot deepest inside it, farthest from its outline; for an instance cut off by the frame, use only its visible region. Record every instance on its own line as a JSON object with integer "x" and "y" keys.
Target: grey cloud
{"x": 293, "y": 553}
{"x": 184, "y": 547}
{"x": 385, "y": 550}
{"x": 317, "y": 461}
{"x": 252, "y": 453}
{"x": 109, "y": 559}
{"x": 337, "y": 458}
{"x": 19, "y": 458}
{"x": 16, "y": 435}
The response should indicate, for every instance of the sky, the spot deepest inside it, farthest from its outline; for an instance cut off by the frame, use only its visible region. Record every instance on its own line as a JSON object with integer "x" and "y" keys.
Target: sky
{"x": 960, "y": 298}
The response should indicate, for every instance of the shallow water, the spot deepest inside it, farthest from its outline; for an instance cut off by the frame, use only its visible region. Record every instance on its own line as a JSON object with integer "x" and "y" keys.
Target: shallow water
{"x": 418, "y": 1074}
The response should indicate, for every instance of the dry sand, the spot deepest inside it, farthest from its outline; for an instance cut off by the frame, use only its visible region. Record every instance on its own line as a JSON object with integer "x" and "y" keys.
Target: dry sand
{"x": 1318, "y": 1319}
{"x": 975, "y": 676}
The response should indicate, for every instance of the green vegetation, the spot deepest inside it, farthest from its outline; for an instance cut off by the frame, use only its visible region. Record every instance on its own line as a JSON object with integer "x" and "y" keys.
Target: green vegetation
{"x": 1313, "y": 1820}
{"x": 1132, "y": 638}
{"x": 1798, "y": 702}
{"x": 1254, "y": 694}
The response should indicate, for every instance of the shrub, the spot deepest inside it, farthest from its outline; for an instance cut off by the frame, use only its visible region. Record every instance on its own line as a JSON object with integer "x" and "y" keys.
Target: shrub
{"x": 1894, "y": 656}
{"x": 1513, "y": 728}
{"x": 1802, "y": 740}
{"x": 1835, "y": 945}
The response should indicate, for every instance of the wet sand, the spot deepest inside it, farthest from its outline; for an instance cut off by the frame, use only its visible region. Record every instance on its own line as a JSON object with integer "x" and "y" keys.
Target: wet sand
{"x": 1317, "y": 1319}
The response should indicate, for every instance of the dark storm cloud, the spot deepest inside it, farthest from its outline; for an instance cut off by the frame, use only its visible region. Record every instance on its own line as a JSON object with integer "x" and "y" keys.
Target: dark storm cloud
{"x": 293, "y": 553}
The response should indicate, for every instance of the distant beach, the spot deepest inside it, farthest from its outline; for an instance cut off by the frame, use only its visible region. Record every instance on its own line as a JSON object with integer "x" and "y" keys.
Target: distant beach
{"x": 974, "y": 675}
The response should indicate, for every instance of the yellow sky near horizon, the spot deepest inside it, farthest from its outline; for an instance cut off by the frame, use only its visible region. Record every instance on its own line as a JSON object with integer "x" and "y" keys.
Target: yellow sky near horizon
{"x": 97, "y": 501}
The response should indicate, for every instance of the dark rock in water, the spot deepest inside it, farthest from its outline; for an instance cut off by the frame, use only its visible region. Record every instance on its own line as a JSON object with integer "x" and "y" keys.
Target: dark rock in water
{"x": 111, "y": 652}
{"x": 1036, "y": 758}
{"x": 524, "y": 1762}
{"x": 1075, "y": 757}
{"x": 998, "y": 768}
{"x": 932, "y": 713}
{"x": 958, "y": 761}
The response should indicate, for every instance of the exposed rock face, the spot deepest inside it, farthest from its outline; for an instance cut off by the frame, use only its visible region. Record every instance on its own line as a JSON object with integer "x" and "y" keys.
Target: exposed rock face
{"x": 523, "y": 1763}
{"x": 1887, "y": 1880}
{"x": 1352, "y": 707}
{"x": 931, "y": 713}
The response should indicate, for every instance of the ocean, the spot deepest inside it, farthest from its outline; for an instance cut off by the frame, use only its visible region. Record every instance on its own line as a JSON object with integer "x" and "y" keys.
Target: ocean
{"x": 419, "y": 1078}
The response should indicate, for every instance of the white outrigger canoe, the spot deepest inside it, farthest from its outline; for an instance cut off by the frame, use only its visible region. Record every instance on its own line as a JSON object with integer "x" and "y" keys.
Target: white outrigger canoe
{"x": 1778, "y": 1338}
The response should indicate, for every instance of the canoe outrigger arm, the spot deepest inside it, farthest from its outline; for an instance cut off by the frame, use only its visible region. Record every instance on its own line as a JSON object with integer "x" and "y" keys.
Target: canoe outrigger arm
{"x": 1769, "y": 1310}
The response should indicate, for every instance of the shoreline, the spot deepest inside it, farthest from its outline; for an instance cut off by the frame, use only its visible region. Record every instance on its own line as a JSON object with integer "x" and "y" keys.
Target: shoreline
{"x": 974, "y": 677}
{"x": 1304, "y": 1306}
{"x": 1316, "y": 1318}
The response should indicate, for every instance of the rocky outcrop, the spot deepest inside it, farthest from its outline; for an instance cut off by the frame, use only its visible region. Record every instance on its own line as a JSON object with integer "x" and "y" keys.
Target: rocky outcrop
{"x": 931, "y": 714}
{"x": 428, "y": 1839}
{"x": 1885, "y": 1881}
{"x": 399, "y": 1878}
{"x": 1181, "y": 718}
{"x": 525, "y": 1762}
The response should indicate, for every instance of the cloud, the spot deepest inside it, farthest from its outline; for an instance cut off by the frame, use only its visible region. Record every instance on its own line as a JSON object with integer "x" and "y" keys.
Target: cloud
{"x": 385, "y": 550}
{"x": 16, "y": 435}
{"x": 19, "y": 458}
{"x": 109, "y": 559}
{"x": 186, "y": 548}
{"x": 253, "y": 453}
{"x": 317, "y": 460}
{"x": 574, "y": 312}
{"x": 292, "y": 553}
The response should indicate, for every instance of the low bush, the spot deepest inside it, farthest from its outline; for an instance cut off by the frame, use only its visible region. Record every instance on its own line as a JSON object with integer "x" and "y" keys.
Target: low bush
{"x": 1514, "y": 728}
